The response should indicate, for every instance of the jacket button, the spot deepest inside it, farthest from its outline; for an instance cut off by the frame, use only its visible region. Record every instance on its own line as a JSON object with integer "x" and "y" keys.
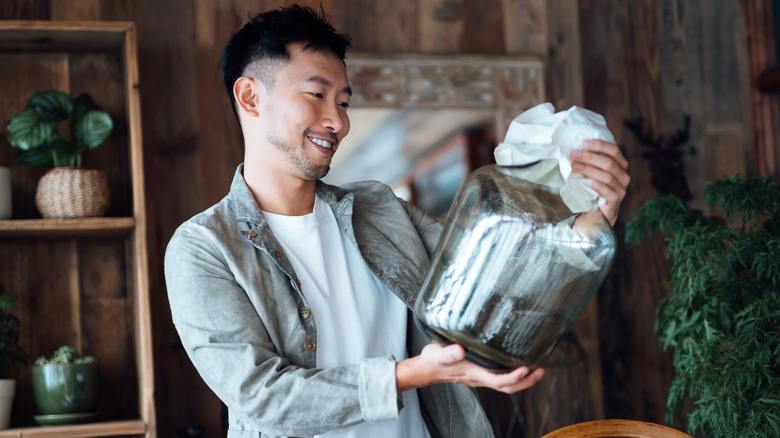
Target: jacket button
{"x": 305, "y": 313}
{"x": 278, "y": 254}
{"x": 309, "y": 345}
{"x": 252, "y": 234}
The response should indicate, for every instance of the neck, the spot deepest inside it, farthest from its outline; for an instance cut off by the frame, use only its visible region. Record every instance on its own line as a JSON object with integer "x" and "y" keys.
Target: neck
{"x": 280, "y": 194}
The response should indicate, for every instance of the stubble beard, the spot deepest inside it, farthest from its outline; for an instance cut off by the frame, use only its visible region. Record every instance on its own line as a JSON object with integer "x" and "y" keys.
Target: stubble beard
{"x": 297, "y": 157}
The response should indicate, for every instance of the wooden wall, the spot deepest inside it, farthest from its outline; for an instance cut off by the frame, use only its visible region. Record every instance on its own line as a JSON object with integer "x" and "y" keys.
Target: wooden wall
{"x": 660, "y": 60}
{"x": 657, "y": 60}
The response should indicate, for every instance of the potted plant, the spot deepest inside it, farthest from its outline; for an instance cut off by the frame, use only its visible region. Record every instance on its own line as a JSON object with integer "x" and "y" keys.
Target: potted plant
{"x": 722, "y": 318}
{"x": 67, "y": 190}
{"x": 10, "y": 353}
{"x": 65, "y": 387}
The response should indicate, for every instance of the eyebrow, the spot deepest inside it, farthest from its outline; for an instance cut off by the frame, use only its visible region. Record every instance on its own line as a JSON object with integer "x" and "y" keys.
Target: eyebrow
{"x": 327, "y": 83}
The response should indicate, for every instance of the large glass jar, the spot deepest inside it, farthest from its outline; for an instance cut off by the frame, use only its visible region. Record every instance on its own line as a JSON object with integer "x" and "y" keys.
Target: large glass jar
{"x": 514, "y": 268}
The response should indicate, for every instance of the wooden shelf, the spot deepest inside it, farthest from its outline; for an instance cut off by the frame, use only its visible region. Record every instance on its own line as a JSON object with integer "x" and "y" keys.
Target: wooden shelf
{"x": 90, "y": 227}
{"x": 81, "y": 282}
{"x": 131, "y": 427}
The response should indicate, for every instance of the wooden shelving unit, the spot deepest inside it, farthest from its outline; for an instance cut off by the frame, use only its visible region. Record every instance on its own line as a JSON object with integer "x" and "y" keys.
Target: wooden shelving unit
{"x": 136, "y": 427}
{"x": 82, "y": 282}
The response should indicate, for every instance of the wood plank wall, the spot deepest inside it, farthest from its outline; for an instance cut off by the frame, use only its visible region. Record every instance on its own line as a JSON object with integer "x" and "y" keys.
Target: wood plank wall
{"x": 762, "y": 40}
{"x": 650, "y": 59}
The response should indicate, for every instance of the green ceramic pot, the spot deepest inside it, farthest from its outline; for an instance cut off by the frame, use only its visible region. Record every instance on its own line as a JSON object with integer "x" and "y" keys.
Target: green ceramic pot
{"x": 65, "y": 389}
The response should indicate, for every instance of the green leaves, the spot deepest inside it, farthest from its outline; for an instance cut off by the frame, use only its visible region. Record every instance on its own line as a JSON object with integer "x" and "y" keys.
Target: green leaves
{"x": 30, "y": 129}
{"x": 5, "y": 301}
{"x": 10, "y": 352}
{"x": 721, "y": 320}
{"x": 664, "y": 213}
{"x": 92, "y": 124}
{"x": 93, "y": 129}
{"x": 55, "y": 104}
{"x": 749, "y": 200}
{"x": 40, "y": 156}
{"x": 33, "y": 130}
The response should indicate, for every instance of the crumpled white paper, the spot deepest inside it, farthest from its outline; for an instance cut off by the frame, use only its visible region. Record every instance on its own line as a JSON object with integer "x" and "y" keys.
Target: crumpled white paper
{"x": 541, "y": 134}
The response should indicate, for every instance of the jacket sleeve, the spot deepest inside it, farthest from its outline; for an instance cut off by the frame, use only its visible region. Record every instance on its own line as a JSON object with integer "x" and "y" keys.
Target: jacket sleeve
{"x": 238, "y": 356}
{"x": 428, "y": 227}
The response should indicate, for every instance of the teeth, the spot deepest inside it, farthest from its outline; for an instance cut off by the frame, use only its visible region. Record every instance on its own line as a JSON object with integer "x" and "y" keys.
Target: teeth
{"x": 322, "y": 143}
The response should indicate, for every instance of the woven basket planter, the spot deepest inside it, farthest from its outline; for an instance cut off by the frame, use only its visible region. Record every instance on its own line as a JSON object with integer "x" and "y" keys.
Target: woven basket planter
{"x": 71, "y": 192}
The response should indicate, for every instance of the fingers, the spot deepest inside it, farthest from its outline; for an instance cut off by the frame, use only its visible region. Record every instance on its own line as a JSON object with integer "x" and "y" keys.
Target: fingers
{"x": 522, "y": 384}
{"x": 444, "y": 356}
{"x": 508, "y": 383}
{"x": 451, "y": 366}
{"x": 604, "y": 163}
{"x": 607, "y": 149}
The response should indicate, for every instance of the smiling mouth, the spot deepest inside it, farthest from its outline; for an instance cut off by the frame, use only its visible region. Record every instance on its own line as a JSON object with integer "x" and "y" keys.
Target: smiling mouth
{"x": 324, "y": 143}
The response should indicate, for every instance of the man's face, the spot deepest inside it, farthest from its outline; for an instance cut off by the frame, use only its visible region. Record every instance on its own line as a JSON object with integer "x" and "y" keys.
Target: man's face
{"x": 304, "y": 114}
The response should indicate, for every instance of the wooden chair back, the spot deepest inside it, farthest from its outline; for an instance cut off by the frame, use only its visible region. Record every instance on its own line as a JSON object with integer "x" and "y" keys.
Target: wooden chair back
{"x": 616, "y": 429}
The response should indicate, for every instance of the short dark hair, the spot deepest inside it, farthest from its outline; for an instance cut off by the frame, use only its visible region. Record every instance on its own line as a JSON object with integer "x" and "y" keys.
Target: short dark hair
{"x": 266, "y": 36}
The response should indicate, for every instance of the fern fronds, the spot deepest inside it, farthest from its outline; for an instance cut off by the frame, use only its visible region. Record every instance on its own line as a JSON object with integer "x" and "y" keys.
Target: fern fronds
{"x": 721, "y": 320}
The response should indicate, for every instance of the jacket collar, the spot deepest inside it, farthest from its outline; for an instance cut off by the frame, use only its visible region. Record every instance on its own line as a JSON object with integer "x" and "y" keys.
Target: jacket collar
{"x": 244, "y": 207}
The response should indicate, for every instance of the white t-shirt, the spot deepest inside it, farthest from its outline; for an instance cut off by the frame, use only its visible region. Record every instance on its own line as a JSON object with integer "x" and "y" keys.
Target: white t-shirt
{"x": 357, "y": 316}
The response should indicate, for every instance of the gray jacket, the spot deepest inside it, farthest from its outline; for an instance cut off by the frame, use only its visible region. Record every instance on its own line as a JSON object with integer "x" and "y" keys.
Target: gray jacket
{"x": 249, "y": 332}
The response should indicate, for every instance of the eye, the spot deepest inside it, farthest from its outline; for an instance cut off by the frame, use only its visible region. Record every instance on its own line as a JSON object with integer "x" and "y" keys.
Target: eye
{"x": 317, "y": 95}
{"x": 344, "y": 105}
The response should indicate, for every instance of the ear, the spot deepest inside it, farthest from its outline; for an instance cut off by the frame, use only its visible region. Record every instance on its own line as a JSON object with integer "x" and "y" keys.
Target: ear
{"x": 246, "y": 93}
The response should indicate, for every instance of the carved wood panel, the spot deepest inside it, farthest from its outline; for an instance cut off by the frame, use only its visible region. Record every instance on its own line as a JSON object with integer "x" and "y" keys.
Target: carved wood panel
{"x": 507, "y": 85}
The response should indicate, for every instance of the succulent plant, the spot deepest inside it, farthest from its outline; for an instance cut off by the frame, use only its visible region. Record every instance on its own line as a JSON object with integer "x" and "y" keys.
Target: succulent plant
{"x": 65, "y": 355}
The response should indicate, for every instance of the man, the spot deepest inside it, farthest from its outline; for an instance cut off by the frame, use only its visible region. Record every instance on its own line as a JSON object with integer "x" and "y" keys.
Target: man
{"x": 291, "y": 296}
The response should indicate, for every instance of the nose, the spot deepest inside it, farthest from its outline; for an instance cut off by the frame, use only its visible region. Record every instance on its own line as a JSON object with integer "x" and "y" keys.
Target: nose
{"x": 335, "y": 119}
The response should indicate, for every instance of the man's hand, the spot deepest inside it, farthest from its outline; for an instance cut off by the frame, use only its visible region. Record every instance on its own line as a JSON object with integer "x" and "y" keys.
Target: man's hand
{"x": 603, "y": 162}
{"x": 437, "y": 364}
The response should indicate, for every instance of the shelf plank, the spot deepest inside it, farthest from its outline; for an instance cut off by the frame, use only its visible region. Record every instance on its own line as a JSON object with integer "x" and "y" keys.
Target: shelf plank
{"x": 113, "y": 428}
{"x": 31, "y": 35}
{"x": 88, "y": 227}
